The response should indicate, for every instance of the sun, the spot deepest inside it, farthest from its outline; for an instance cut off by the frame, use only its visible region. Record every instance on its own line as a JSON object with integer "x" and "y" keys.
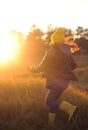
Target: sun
{"x": 7, "y": 48}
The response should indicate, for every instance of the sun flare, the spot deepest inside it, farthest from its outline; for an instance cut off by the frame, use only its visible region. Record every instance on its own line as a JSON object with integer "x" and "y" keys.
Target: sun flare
{"x": 7, "y": 48}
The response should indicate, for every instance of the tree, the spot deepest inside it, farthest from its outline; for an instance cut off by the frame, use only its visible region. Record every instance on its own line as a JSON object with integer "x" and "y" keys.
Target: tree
{"x": 68, "y": 32}
{"x": 83, "y": 44}
{"x": 81, "y": 32}
{"x": 49, "y": 32}
{"x": 34, "y": 44}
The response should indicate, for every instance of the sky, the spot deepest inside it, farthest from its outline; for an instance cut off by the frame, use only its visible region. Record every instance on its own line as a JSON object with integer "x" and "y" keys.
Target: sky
{"x": 21, "y": 14}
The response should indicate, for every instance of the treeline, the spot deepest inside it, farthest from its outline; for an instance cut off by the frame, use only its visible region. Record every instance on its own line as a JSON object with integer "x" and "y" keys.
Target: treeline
{"x": 35, "y": 43}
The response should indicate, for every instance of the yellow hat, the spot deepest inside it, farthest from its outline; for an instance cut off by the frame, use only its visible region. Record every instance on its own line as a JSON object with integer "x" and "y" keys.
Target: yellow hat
{"x": 58, "y": 36}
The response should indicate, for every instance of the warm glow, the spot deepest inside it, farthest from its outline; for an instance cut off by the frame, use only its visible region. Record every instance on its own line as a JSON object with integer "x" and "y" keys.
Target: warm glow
{"x": 21, "y": 14}
{"x": 7, "y": 48}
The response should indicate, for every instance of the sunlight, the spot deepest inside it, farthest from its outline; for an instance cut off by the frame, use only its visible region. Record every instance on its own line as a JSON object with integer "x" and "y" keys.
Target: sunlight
{"x": 7, "y": 48}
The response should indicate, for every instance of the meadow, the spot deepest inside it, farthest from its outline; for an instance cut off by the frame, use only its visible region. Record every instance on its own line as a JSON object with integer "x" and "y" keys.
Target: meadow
{"x": 22, "y": 100}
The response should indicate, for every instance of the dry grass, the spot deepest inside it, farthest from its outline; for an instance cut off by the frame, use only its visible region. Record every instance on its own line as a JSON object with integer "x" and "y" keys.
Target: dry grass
{"x": 22, "y": 98}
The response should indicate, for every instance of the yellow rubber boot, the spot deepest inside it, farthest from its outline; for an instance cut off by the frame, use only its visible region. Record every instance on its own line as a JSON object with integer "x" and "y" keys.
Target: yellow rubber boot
{"x": 51, "y": 119}
{"x": 68, "y": 108}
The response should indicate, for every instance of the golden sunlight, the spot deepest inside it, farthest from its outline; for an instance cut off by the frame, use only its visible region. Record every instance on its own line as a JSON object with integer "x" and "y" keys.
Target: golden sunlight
{"x": 7, "y": 48}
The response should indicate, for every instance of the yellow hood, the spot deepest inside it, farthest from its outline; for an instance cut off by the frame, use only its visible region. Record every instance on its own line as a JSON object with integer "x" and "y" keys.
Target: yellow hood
{"x": 58, "y": 36}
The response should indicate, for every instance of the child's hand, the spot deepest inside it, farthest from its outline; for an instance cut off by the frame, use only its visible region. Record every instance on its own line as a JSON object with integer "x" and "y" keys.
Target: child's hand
{"x": 33, "y": 69}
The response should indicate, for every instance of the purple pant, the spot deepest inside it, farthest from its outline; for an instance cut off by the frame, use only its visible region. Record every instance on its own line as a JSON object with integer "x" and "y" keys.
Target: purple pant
{"x": 56, "y": 87}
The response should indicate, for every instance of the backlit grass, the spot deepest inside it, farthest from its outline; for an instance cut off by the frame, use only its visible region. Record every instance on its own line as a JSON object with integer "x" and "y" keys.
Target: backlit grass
{"x": 22, "y": 97}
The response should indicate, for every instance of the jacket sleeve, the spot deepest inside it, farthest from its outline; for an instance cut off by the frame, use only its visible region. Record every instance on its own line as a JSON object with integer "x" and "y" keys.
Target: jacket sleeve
{"x": 43, "y": 64}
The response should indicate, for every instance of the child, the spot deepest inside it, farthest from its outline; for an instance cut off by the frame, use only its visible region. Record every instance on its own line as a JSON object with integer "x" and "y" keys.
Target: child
{"x": 57, "y": 66}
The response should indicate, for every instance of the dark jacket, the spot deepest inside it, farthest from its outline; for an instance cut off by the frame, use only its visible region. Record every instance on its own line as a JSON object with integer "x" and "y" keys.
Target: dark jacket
{"x": 58, "y": 62}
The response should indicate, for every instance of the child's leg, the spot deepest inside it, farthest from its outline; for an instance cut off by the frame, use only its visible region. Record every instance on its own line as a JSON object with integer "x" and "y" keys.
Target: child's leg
{"x": 53, "y": 104}
{"x": 51, "y": 99}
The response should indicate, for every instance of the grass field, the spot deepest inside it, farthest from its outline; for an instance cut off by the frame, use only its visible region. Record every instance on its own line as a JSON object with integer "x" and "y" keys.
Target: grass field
{"x": 22, "y": 98}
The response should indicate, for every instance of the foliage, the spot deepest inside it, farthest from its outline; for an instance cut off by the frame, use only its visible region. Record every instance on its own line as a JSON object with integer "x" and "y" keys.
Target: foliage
{"x": 83, "y": 44}
{"x": 81, "y": 32}
{"x": 34, "y": 44}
